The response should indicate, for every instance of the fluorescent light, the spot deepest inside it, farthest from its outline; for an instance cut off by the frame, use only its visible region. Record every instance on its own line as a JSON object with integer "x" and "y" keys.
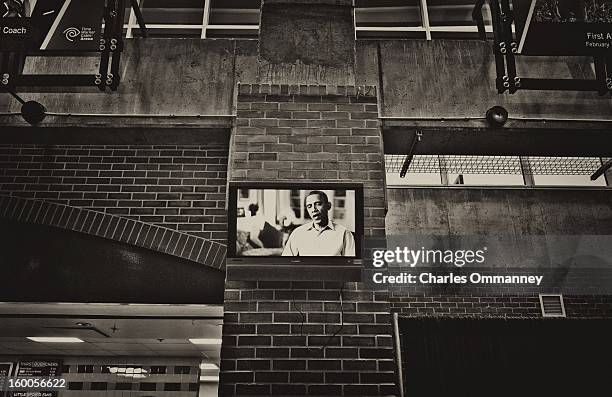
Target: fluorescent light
{"x": 54, "y": 339}
{"x": 209, "y": 378}
{"x": 205, "y": 341}
{"x": 205, "y": 366}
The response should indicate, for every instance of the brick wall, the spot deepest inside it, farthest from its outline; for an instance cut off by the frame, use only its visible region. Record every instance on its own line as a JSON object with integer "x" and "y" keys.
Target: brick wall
{"x": 178, "y": 187}
{"x": 298, "y": 338}
{"x": 415, "y": 305}
{"x": 107, "y": 226}
{"x": 302, "y": 338}
{"x": 576, "y": 306}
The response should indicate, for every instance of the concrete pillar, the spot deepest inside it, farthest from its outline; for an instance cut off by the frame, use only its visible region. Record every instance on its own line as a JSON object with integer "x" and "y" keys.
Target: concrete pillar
{"x": 290, "y": 337}
{"x": 307, "y": 42}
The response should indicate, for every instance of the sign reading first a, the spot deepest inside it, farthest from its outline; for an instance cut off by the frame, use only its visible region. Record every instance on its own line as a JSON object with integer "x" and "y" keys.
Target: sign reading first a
{"x": 563, "y": 27}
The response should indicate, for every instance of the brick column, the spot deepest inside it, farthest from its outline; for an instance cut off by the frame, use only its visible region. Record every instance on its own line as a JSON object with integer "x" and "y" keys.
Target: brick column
{"x": 302, "y": 338}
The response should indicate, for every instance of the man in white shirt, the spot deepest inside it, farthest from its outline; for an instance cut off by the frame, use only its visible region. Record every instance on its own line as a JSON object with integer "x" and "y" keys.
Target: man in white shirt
{"x": 321, "y": 237}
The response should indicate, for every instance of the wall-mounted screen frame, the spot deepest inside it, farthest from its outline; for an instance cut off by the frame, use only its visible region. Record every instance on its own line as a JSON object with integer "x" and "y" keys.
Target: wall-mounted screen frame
{"x": 268, "y": 222}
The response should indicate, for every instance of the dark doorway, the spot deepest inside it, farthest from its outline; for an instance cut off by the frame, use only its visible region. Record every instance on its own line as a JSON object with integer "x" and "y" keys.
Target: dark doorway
{"x": 506, "y": 357}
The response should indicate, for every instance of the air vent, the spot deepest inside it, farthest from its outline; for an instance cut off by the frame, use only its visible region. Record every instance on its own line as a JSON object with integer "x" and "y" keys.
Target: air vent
{"x": 552, "y": 305}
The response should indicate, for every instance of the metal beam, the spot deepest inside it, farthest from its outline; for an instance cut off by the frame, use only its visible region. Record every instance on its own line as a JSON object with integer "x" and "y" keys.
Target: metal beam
{"x": 601, "y": 170}
{"x": 502, "y": 141}
{"x": 139, "y": 18}
{"x": 409, "y": 157}
{"x": 128, "y": 135}
{"x": 526, "y": 171}
{"x": 54, "y": 80}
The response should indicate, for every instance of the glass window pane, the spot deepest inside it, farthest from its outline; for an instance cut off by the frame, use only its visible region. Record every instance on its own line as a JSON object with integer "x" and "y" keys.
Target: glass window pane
{"x": 223, "y": 12}
{"x": 454, "y": 13}
{"x": 390, "y": 13}
{"x": 171, "y": 14}
{"x": 169, "y": 32}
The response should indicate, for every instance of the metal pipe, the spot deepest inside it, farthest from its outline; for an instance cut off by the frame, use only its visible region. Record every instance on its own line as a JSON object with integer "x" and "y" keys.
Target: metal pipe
{"x": 398, "y": 354}
{"x": 408, "y": 160}
{"x": 540, "y": 119}
{"x": 380, "y": 117}
{"x": 135, "y": 115}
{"x": 17, "y": 97}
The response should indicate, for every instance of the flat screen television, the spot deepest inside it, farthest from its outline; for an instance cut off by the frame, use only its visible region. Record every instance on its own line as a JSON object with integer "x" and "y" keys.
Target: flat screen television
{"x": 295, "y": 231}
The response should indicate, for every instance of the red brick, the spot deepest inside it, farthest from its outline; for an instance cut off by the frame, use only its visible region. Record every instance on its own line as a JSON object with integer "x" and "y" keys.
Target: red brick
{"x": 307, "y": 115}
{"x": 284, "y": 147}
{"x": 292, "y": 156}
{"x": 323, "y": 156}
{"x": 337, "y": 131}
{"x": 294, "y": 106}
{"x": 324, "y": 139}
{"x": 263, "y": 123}
{"x": 350, "y": 123}
{"x": 292, "y": 174}
{"x": 293, "y": 139}
{"x": 249, "y": 130}
{"x": 335, "y": 115}
{"x": 277, "y": 114}
{"x": 307, "y": 131}
{"x": 264, "y": 106}
{"x": 352, "y": 140}
{"x": 292, "y": 123}
{"x": 278, "y": 130}
{"x": 263, "y": 174}
{"x": 328, "y": 107}
{"x": 308, "y": 148}
{"x": 322, "y": 123}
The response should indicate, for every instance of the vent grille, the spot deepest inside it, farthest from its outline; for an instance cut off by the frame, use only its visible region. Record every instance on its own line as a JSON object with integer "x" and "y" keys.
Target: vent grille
{"x": 552, "y": 305}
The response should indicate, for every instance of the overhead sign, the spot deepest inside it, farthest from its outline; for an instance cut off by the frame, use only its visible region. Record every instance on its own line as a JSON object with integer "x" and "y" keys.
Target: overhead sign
{"x": 40, "y": 368}
{"x": 51, "y": 25}
{"x": 37, "y": 369}
{"x": 563, "y": 27}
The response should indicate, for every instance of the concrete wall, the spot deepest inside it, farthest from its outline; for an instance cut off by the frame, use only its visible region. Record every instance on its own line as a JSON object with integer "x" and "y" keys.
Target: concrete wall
{"x": 452, "y": 78}
{"x": 151, "y": 71}
{"x": 513, "y": 212}
{"x": 417, "y": 78}
{"x": 521, "y": 216}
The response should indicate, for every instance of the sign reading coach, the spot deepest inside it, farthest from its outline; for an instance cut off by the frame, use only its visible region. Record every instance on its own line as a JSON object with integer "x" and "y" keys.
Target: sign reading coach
{"x": 51, "y": 25}
{"x": 564, "y": 27}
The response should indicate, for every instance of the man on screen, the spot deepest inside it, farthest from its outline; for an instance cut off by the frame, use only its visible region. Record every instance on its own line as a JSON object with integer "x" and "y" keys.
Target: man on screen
{"x": 321, "y": 237}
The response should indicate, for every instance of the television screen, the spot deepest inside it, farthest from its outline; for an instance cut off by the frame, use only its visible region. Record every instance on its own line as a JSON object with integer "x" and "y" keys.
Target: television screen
{"x": 295, "y": 222}
{"x": 289, "y": 223}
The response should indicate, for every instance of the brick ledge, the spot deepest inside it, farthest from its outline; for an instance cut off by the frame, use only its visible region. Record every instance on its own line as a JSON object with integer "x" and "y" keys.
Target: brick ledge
{"x": 307, "y": 90}
{"x": 157, "y": 238}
